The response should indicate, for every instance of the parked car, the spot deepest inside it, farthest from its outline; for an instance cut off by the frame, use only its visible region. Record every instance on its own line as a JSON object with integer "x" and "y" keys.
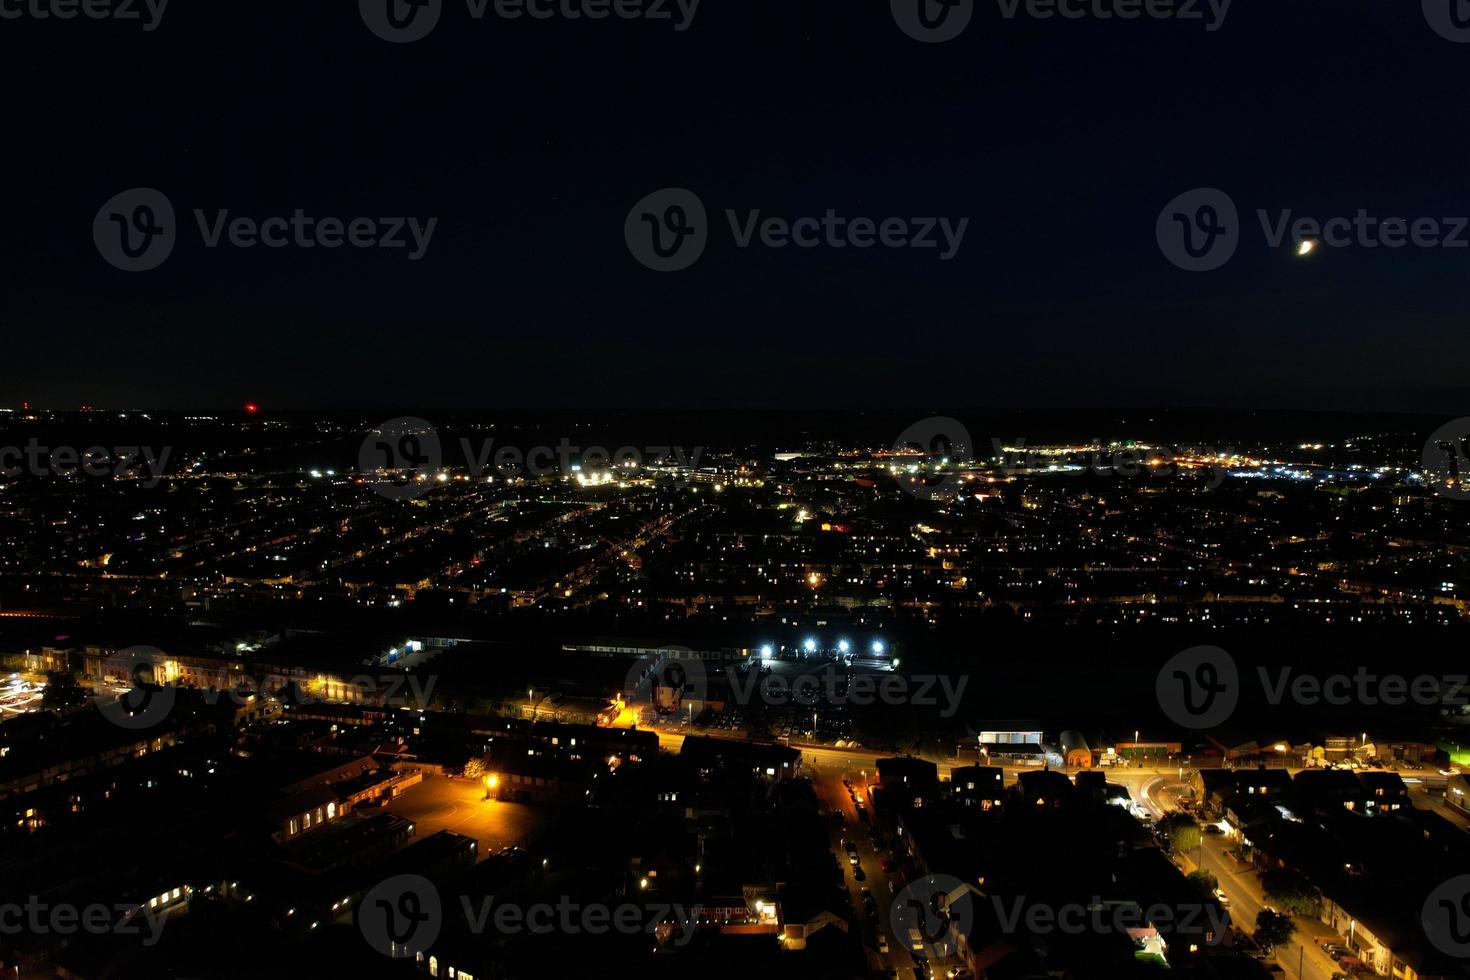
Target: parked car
{"x": 857, "y": 873}
{"x": 1336, "y": 950}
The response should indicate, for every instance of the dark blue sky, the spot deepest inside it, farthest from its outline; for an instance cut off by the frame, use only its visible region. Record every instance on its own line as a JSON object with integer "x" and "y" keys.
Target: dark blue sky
{"x": 529, "y": 141}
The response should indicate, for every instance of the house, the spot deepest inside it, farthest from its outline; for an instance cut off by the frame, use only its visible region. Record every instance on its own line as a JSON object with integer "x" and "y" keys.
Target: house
{"x": 908, "y": 780}
{"x": 1383, "y": 792}
{"x": 978, "y": 786}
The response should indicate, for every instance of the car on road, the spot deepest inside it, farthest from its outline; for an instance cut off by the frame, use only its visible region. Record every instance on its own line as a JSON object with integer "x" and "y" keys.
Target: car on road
{"x": 1222, "y": 898}
{"x": 1213, "y": 829}
{"x": 852, "y": 851}
{"x": 1336, "y": 950}
{"x": 857, "y": 873}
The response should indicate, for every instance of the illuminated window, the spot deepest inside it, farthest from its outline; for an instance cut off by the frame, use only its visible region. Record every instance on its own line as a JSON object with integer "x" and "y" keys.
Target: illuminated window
{"x": 433, "y": 966}
{"x": 331, "y": 810}
{"x": 176, "y": 894}
{"x": 293, "y": 827}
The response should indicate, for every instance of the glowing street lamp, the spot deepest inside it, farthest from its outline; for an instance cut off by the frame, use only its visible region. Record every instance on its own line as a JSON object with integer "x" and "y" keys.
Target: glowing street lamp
{"x": 878, "y": 646}
{"x": 810, "y": 646}
{"x": 843, "y": 646}
{"x": 767, "y": 652}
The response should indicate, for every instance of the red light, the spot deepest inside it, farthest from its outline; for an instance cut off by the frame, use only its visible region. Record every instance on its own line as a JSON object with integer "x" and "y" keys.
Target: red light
{"x": 251, "y": 408}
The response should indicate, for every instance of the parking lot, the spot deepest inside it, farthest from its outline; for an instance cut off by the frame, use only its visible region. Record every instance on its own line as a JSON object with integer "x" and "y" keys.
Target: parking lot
{"x": 441, "y": 803}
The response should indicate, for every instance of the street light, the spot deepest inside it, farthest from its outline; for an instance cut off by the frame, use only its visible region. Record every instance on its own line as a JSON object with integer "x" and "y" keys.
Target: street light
{"x": 810, "y": 646}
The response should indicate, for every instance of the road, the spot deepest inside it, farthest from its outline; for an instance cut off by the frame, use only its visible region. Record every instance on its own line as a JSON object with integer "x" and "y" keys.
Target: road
{"x": 827, "y": 780}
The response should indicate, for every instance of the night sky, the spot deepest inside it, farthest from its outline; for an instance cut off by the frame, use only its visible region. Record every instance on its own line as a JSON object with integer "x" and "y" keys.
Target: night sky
{"x": 1060, "y": 140}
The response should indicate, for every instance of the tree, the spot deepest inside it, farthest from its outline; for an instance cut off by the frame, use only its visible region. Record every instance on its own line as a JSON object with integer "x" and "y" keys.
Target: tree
{"x": 475, "y": 767}
{"x": 1182, "y": 833}
{"x": 1289, "y": 889}
{"x": 1273, "y": 929}
{"x": 62, "y": 691}
{"x": 1205, "y": 880}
